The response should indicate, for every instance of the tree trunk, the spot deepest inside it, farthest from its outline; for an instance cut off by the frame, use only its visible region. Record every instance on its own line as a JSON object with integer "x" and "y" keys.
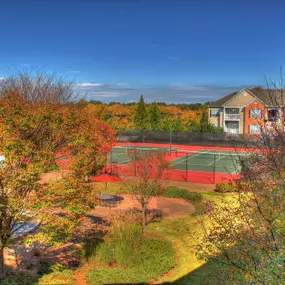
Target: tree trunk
{"x": 143, "y": 219}
{"x": 2, "y": 270}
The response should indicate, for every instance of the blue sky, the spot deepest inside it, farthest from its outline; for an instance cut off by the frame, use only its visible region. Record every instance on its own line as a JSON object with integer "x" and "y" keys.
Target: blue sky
{"x": 171, "y": 50}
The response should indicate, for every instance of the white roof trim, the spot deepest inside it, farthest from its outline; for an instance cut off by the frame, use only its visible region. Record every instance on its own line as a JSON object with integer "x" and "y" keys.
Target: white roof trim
{"x": 253, "y": 101}
{"x": 256, "y": 97}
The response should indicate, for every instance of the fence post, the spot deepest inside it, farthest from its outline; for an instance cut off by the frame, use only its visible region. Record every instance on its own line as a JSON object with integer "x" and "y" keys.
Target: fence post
{"x": 186, "y": 167}
{"x": 111, "y": 162}
{"x": 214, "y": 170}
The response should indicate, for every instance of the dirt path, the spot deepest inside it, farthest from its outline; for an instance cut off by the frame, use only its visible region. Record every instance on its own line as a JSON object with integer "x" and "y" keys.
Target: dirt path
{"x": 80, "y": 275}
{"x": 195, "y": 187}
{"x": 170, "y": 207}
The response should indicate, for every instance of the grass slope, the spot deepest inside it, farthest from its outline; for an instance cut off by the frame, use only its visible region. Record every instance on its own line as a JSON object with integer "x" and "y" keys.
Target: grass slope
{"x": 127, "y": 257}
{"x": 182, "y": 233}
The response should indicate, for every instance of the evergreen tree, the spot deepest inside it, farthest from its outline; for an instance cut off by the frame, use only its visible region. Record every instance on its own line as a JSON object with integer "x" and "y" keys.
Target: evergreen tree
{"x": 141, "y": 116}
{"x": 177, "y": 125}
{"x": 204, "y": 122}
{"x": 154, "y": 116}
{"x": 193, "y": 126}
{"x": 165, "y": 124}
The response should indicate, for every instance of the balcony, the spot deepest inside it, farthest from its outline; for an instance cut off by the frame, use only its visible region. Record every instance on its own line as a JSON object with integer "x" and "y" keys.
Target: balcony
{"x": 232, "y": 117}
{"x": 231, "y": 131}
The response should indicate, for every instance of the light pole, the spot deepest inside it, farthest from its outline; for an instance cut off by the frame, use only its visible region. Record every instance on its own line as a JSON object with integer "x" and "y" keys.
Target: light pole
{"x": 170, "y": 136}
{"x": 170, "y": 130}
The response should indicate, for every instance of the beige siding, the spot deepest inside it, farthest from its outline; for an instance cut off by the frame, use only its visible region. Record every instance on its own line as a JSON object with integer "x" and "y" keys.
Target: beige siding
{"x": 240, "y": 100}
{"x": 216, "y": 121}
{"x": 221, "y": 118}
{"x": 241, "y": 121}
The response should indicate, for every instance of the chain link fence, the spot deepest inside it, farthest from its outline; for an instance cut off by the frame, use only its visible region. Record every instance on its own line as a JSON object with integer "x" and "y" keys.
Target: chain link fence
{"x": 184, "y": 138}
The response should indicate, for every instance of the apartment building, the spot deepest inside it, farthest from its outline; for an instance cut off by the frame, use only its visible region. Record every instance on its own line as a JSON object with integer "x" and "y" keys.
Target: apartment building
{"x": 248, "y": 110}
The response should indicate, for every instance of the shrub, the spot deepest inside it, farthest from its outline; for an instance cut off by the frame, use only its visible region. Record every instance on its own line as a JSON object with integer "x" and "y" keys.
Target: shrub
{"x": 16, "y": 277}
{"x": 133, "y": 258}
{"x": 174, "y": 192}
{"x": 57, "y": 278}
{"x": 193, "y": 197}
{"x": 225, "y": 187}
{"x": 44, "y": 268}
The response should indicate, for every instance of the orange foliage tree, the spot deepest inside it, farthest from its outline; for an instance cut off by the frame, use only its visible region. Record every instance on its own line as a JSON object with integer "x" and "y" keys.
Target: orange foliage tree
{"x": 145, "y": 180}
{"x": 39, "y": 119}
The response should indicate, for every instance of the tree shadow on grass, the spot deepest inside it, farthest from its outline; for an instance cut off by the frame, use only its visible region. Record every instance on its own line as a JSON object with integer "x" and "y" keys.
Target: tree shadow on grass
{"x": 207, "y": 274}
{"x": 17, "y": 277}
{"x": 90, "y": 247}
{"x": 97, "y": 220}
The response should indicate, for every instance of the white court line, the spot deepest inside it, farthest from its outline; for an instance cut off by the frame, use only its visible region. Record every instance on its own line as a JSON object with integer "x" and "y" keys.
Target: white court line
{"x": 215, "y": 160}
{"x": 123, "y": 162}
{"x": 114, "y": 156}
{"x": 143, "y": 148}
{"x": 178, "y": 160}
{"x": 222, "y": 157}
{"x": 117, "y": 154}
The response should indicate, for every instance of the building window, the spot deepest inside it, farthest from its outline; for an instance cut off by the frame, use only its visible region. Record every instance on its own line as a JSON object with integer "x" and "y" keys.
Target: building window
{"x": 254, "y": 129}
{"x": 214, "y": 112}
{"x": 255, "y": 114}
{"x": 273, "y": 115}
{"x": 232, "y": 110}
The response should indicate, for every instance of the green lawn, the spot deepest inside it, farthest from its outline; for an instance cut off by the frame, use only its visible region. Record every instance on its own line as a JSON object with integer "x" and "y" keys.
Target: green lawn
{"x": 182, "y": 233}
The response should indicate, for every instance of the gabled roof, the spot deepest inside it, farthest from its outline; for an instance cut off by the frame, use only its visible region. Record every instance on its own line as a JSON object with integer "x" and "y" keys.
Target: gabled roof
{"x": 223, "y": 100}
{"x": 270, "y": 97}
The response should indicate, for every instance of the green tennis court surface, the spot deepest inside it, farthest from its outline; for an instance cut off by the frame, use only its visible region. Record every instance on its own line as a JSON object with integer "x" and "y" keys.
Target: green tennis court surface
{"x": 121, "y": 155}
{"x": 209, "y": 161}
{"x": 202, "y": 161}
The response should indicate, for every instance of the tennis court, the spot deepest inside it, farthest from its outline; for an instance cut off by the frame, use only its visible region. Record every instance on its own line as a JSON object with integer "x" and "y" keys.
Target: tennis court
{"x": 188, "y": 163}
{"x": 208, "y": 161}
{"x": 122, "y": 155}
{"x": 202, "y": 161}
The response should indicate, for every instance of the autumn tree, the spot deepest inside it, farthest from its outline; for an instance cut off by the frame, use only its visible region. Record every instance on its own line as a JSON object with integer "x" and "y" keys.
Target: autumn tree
{"x": 141, "y": 119}
{"x": 145, "y": 180}
{"x": 40, "y": 121}
{"x": 248, "y": 237}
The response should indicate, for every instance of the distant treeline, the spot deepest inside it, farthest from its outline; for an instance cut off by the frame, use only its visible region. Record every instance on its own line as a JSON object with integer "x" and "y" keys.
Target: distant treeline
{"x": 182, "y": 106}
{"x": 154, "y": 116}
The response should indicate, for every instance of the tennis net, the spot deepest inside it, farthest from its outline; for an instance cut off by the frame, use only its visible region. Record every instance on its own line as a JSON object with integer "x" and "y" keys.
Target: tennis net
{"x": 212, "y": 155}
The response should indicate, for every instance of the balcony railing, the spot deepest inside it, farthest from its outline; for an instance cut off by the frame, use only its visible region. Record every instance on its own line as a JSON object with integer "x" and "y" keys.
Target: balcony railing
{"x": 231, "y": 131}
{"x": 232, "y": 117}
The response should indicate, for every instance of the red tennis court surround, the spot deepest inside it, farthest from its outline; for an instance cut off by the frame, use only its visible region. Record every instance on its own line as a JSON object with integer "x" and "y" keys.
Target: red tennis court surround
{"x": 105, "y": 178}
{"x": 211, "y": 177}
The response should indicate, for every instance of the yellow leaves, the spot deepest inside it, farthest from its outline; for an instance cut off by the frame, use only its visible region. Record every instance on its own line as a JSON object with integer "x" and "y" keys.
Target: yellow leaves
{"x": 247, "y": 275}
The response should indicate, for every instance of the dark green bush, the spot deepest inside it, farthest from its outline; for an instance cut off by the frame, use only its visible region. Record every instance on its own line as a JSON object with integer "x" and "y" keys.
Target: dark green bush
{"x": 15, "y": 277}
{"x": 44, "y": 268}
{"x": 225, "y": 187}
{"x": 126, "y": 256}
{"x": 175, "y": 192}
